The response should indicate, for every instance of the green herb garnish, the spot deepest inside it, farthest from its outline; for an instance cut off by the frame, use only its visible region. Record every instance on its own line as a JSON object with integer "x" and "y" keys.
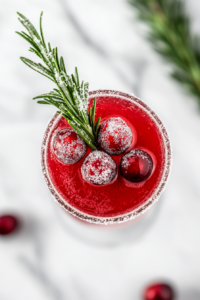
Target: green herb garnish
{"x": 71, "y": 96}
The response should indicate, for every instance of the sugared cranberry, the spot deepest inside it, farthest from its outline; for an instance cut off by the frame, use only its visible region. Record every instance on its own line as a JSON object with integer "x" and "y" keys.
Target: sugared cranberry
{"x": 114, "y": 136}
{"x": 99, "y": 168}
{"x": 68, "y": 146}
{"x": 136, "y": 166}
{"x": 159, "y": 291}
{"x": 8, "y": 224}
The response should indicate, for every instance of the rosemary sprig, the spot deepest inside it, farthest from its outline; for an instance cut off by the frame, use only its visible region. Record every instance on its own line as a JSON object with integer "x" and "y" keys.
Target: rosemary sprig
{"x": 71, "y": 96}
{"x": 171, "y": 37}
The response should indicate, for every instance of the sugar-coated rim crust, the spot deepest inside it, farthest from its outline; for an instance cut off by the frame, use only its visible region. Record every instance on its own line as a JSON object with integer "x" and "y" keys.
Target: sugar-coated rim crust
{"x": 137, "y": 211}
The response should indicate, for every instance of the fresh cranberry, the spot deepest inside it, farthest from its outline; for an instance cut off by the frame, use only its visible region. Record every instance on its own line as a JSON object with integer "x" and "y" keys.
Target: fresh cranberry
{"x": 68, "y": 146}
{"x": 8, "y": 224}
{"x": 114, "y": 136}
{"x": 136, "y": 166}
{"x": 159, "y": 291}
{"x": 99, "y": 168}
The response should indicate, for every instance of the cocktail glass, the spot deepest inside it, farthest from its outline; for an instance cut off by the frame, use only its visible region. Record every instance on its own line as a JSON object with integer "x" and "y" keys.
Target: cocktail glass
{"x": 134, "y": 216}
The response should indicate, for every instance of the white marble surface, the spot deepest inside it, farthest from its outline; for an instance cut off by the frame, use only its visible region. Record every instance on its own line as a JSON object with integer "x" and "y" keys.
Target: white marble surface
{"x": 44, "y": 260}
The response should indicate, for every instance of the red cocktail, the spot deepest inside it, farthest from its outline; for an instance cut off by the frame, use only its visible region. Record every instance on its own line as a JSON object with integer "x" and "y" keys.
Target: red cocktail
{"x": 121, "y": 199}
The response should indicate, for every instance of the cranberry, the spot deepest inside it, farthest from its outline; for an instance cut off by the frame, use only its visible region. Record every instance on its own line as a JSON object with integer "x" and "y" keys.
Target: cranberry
{"x": 99, "y": 168}
{"x": 114, "y": 136}
{"x": 68, "y": 146}
{"x": 8, "y": 224}
{"x": 136, "y": 166}
{"x": 159, "y": 291}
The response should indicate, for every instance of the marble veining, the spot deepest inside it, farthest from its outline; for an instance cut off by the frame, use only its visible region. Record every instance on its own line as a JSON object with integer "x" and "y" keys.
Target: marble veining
{"x": 52, "y": 257}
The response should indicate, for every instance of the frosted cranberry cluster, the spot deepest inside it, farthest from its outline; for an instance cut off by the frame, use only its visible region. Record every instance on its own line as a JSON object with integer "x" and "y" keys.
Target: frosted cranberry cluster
{"x": 115, "y": 137}
{"x": 68, "y": 146}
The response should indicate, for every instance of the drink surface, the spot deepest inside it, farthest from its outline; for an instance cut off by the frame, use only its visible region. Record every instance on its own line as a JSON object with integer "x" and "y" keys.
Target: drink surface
{"x": 121, "y": 196}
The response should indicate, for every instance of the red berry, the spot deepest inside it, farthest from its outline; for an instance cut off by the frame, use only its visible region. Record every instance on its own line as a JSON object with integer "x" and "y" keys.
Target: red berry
{"x": 99, "y": 168}
{"x": 114, "y": 136}
{"x": 159, "y": 291}
{"x": 68, "y": 146}
{"x": 8, "y": 224}
{"x": 136, "y": 166}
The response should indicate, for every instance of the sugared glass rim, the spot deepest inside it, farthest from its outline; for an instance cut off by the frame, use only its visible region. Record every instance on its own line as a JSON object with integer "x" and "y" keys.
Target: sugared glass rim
{"x": 137, "y": 211}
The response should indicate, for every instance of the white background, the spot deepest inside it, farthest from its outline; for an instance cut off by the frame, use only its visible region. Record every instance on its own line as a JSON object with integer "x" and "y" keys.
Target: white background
{"x": 43, "y": 260}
